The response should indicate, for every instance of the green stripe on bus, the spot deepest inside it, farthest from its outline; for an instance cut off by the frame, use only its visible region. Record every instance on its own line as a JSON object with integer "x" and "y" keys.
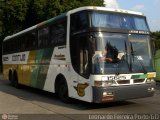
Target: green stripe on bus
{"x": 43, "y": 69}
{"x": 35, "y": 69}
{"x": 143, "y": 76}
{"x": 39, "y": 74}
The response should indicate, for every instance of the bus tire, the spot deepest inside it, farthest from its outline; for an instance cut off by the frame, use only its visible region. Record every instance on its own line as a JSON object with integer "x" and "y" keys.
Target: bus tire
{"x": 10, "y": 77}
{"x": 62, "y": 90}
{"x": 15, "y": 80}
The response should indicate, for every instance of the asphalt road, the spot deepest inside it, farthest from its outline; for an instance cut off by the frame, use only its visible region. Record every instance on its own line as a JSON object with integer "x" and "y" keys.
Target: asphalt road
{"x": 29, "y": 103}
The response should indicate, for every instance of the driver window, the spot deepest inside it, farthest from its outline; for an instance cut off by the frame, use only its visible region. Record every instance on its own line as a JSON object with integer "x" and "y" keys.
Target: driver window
{"x": 83, "y": 56}
{"x": 80, "y": 55}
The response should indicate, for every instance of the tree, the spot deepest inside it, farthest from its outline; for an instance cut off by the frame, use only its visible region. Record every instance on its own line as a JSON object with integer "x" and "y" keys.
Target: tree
{"x": 21, "y": 14}
{"x": 155, "y": 37}
{"x": 93, "y": 2}
{"x": 46, "y": 9}
{"x": 14, "y": 12}
{"x": 1, "y": 16}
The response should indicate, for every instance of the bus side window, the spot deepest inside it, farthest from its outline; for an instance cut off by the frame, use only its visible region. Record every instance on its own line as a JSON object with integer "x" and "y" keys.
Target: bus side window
{"x": 83, "y": 46}
{"x": 16, "y": 44}
{"x": 34, "y": 39}
{"x": 79, "y": 21}
{"x": 43, "y": 37}
{"x": 58, "y": 33}
{"x": 13, "y": 42}
{"x": 23, "y": 42}
{"x": 3, "y": 47}
{"x": 80, "y": 55}
{"x": 31, "y": 42}
{"x": 28, "y": 41}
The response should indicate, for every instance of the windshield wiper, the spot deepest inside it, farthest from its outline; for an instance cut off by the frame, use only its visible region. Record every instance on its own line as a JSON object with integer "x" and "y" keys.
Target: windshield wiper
{"x": 122, "y": 61}
{"x": 133, "y": 53}
{"x": 128, "y": 58}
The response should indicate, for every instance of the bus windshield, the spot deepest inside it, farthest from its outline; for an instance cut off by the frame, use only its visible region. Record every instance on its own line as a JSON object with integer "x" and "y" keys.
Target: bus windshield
{"x": 114, "y": 54}
{"x": 140, "y": 53}
{"x": 121, "y": 21}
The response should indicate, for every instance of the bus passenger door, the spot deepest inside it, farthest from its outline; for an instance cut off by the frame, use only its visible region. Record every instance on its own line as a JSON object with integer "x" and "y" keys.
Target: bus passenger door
{"x": 80, "y": 63}
{"x": 84, "y": 83}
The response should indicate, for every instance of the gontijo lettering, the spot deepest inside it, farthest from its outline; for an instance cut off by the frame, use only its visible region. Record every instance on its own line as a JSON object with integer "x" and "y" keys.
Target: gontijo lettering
{"x": 19, "y": 57}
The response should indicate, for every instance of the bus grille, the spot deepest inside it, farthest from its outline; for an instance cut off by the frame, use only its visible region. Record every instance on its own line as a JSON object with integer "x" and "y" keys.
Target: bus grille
{"x": 129, "y": 81}
{"x": 139, "y": 80}
{"x": 123, "y": 81}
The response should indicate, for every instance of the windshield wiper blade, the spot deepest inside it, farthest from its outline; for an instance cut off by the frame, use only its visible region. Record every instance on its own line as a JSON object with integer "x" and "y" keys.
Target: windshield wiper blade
{"x": 128, "y": 58}
{"x": 142, "y": 65}
{"x": 120, "y": 62}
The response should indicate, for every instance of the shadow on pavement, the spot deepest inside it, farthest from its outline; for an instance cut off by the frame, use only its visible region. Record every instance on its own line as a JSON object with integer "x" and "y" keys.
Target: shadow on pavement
{"x": 32, "y": 94}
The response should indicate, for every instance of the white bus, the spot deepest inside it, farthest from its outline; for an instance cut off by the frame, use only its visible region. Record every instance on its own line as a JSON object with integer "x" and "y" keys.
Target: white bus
{"x": 93, "y": 54}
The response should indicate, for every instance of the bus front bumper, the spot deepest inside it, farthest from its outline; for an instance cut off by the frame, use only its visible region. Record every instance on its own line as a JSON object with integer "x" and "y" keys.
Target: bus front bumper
{"x": 120, "y": 93}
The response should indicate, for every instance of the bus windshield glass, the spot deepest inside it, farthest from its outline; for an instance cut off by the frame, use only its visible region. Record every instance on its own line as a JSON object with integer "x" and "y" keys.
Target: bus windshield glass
{"x": 121, "y": 21}
{"x": 140, "y": 53}
{"x": 114, "y": 54}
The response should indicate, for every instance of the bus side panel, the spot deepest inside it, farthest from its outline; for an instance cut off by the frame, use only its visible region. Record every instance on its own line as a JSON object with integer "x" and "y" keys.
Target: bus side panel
{"x": 33, "y": 68}
{"x": 6, "y": 68}
{"x": 21, "y": 69}
{"x": 58, "y": 61}
{"x": 5, "y": 72}
{"x": 35, "y": 72}
{"x": 15, "y": 63}
{"x": 43, "y": 67}
{"x": 24, "y": 70}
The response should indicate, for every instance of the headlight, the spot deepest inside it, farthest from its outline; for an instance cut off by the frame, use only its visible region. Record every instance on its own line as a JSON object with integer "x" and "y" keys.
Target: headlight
{"x": 149, "y": 80}
{"x": 103, "y": 83}
{"x": 151, "y": 89}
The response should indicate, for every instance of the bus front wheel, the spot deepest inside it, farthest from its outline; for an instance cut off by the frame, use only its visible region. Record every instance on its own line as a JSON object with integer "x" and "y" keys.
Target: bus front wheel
{"x": 63, "y": 91}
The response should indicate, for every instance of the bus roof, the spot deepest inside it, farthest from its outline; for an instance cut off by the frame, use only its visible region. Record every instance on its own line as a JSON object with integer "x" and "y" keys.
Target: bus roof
{"x": 105, "y": 9}
{"x": 71, "y": 12}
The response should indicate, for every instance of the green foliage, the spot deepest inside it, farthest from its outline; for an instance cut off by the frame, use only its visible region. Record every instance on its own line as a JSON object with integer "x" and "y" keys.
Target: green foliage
{"x": 40, "y": 7}
{"x": 93, "y": 2}
{"x": 14, "y": 14}
{"x": 1, "y": 21}
{"x": 70, "y": 4}
{"x": 53, "y": 8}
{"x": 16, "y": 9}
{"x": 155, "y": 37}
{"x": 21, "y": 14}
{"x": 45, "y": 9}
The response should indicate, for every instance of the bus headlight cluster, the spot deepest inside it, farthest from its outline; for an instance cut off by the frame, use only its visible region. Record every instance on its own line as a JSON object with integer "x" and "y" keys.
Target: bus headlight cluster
{"x": 150, "y": 80}
{"x": 108, "y": 96}
{"x": 103, "y": 83}
{"x": 151, "y": 89}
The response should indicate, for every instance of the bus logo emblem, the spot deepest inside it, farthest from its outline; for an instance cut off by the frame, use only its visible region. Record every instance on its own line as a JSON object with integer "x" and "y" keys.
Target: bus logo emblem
{"x": 81, "y": 89}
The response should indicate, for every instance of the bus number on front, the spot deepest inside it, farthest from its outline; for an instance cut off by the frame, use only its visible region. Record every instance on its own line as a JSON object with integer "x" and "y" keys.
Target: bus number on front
{"x": 114, "y": 78}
